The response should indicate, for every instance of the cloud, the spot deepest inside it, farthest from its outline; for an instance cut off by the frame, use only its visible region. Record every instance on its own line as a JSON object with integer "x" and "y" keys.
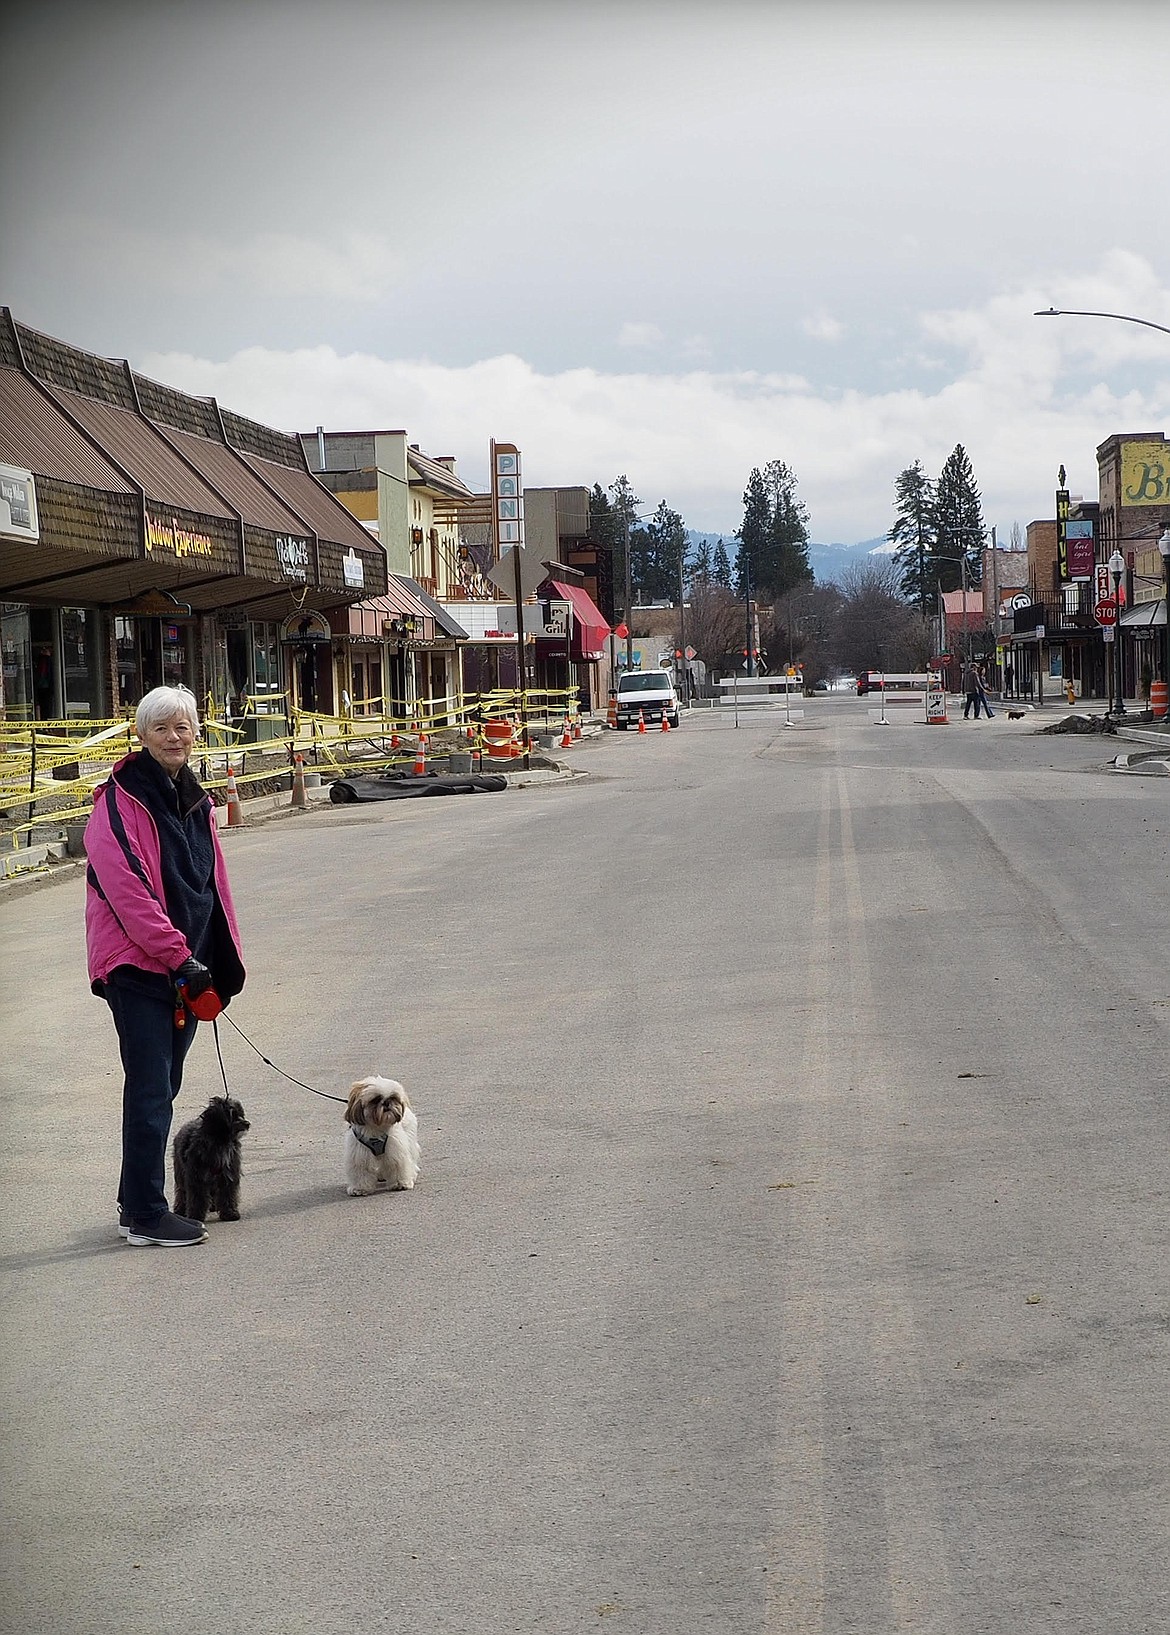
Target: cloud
{"x": 349, "y": 266}
{"x": 823, "y": 328}
{"x": 1023, "y": 395}
{"x": 640, "y": 335}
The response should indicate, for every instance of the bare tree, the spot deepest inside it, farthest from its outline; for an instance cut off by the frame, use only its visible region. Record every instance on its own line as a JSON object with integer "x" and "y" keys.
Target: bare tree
{"x": 876, "y": 630}
{"x": 716, "y": 624}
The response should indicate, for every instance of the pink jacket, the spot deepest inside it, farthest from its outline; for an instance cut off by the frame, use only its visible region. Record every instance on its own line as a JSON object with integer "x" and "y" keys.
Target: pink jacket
{"x": 126, "y": 921}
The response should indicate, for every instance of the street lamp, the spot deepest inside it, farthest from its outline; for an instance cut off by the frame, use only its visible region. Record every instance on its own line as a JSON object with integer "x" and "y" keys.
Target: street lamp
{"x": 1071, "y": 312}
{"x": 1125, "y": 318}
{"x": 1164, "y": 547}
{"x": 1116, "y": 569}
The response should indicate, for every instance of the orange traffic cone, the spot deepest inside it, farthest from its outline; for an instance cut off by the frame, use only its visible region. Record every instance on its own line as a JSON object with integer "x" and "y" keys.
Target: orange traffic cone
{"x": 298, "y": 782}
{"x": 235, "y": 812}
{"x": 641, "y": 722}
{"x": 394, "y": 740}
{"x": 576, "y": 726}
{"x": 566, "y": 735}
{"x": 420, "y": 756}
{"x": 665, "y": 727}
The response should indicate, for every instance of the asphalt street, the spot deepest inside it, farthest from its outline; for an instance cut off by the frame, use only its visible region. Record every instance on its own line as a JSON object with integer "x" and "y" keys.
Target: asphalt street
{"x": 790, "y": 1249}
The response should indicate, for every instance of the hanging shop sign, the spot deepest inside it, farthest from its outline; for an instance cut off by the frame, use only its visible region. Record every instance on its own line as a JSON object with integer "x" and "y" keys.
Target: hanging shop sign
{"x": 294, "y": 557}
{"x": 1080, "y": 547}
{"x": 353, "y": 569}
{"x": 18, "y": 504}
{"x": 305, "y": 628}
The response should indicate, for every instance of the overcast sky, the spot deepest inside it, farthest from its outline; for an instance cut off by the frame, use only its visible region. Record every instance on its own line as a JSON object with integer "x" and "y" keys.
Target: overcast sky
{"x": 675, "y": 240}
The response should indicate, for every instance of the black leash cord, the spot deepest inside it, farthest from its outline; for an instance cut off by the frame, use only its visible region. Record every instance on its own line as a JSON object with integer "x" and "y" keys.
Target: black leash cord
{"x": 215, "y": 1025}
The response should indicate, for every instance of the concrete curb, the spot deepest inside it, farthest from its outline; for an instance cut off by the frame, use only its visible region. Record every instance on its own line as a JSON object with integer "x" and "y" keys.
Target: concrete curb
{"x": 52, "y": 860}
{"x": 1143, "y": 765}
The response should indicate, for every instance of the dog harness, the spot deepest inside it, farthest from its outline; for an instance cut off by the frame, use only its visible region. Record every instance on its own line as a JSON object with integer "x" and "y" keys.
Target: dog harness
{"x": 375, "y": 1143}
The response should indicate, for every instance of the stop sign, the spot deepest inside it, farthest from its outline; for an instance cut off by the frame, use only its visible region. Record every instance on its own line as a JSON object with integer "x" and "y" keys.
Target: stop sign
{"x": 1105, "y": 611}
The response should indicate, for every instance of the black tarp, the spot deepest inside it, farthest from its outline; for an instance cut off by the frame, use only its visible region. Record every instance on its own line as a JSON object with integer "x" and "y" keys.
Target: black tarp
{"x": 406, "y": 786}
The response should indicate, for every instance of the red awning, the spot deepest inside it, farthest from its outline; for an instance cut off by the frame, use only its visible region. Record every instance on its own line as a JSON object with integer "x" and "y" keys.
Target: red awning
{"x": 590, "y": 626}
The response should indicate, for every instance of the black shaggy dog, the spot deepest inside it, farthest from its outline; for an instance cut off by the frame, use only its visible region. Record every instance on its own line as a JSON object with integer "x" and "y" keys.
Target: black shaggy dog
{"x": 207, "y": 1161}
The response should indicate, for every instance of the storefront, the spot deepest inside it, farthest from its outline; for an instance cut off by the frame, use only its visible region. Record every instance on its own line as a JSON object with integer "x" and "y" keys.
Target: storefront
{"x": 395, "y": 651}
{"x": 150, "y": 537}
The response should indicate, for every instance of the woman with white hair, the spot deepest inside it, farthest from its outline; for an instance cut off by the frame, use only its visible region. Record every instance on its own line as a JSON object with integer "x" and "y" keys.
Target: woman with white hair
{"x": 160, "y": 929}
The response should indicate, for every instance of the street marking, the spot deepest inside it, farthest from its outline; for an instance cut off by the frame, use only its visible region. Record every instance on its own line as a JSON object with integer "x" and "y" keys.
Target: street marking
{"x": 796, "y": 1568}
{"x": 918, "y": 1575}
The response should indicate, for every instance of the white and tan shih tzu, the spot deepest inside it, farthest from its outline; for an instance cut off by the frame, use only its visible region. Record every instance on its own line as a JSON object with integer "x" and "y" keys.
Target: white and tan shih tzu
{"x": 381, "y": 1142}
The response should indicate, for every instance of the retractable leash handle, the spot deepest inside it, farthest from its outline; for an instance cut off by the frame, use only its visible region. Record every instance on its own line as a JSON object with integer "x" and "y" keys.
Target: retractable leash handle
{"x": 205, "y": 1006}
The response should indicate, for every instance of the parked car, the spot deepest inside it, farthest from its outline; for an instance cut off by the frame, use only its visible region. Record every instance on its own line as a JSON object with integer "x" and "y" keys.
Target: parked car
{"x": 649, "y": 693}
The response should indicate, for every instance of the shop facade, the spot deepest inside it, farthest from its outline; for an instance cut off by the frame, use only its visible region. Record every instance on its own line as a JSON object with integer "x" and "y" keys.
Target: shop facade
{"x": 155, "y": 537}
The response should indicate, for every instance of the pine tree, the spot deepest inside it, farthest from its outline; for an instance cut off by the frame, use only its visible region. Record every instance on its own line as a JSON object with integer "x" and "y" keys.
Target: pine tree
{"x": 915, "y": 536}
{"x": 700, "y": 563}
{"x": 667, "y": 547}
{"x": 959, "y": 522}
{"x": 721, "y": 566}
{"x": 753, "y": 535}
{"x": 786, "y": 562}
{"x": 622, "y": 508}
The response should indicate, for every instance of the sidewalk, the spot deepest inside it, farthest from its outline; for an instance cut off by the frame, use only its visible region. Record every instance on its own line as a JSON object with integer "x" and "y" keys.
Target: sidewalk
{"x": 52, "y": 858}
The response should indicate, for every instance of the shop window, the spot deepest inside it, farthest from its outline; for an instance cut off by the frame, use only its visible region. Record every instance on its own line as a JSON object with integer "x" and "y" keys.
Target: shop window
{"x": 176, "y": 666}
{"x": 130, "y": 687}
{"x": 17, "y": 659}
{"x": 238, "y": 657}
{"x": 265, "y": 661}
{"x": 80, "y": 671}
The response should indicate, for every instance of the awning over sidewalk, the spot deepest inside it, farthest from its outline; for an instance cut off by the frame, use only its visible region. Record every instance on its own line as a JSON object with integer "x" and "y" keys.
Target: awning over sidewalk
{"x": 142, "y": 490}
{"x": 406, "y": 608}
{"x": 1145, "y": 615}
{"x": 590, "y": 626}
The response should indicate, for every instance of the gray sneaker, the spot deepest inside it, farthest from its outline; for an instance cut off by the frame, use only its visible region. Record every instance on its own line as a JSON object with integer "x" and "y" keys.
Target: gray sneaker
{"x": 168, "y": 1232}
{"x": 124, "y": 1223}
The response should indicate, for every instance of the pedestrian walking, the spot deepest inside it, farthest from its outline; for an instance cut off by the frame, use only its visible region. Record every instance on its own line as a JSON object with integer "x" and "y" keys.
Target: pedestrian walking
{"x": 983, "y": 699}
{"x": 1009, "y": 676}
{"x": 158, "y": 912}
{"x": 973, "y": 689}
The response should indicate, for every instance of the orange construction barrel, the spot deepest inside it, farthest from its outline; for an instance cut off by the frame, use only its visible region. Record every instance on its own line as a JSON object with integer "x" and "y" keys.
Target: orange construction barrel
{"x": 1159, "y": 699}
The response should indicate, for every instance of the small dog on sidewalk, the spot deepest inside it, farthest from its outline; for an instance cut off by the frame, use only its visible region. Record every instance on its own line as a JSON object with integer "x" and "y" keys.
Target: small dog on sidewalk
{"x": 206, "y": 1156}
{"x": 381, "y": 1142}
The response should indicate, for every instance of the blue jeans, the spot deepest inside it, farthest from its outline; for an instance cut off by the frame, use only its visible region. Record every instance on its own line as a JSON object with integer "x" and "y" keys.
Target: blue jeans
{"x": 153, "y": 1052}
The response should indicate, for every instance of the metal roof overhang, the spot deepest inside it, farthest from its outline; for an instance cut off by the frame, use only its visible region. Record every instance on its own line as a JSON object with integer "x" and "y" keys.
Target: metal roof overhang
{"x": 1145, "y": 615}
{"x": 103, "y": 467}
{"x": 70, "y": 577}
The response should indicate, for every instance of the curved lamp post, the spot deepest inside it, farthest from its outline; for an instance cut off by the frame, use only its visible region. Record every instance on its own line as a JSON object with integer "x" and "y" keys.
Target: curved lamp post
{"x": 1164, "y": 547}
{"x": 1124, "y": 317}
{"x": 1116, "y": 569}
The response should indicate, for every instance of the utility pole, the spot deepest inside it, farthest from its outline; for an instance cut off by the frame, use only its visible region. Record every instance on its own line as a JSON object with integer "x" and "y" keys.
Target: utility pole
{"x": 995, "y": 601}
{"x": 684, "y": 672}
{"x": 747, "y": 608}
{"x": 628, "y": 623}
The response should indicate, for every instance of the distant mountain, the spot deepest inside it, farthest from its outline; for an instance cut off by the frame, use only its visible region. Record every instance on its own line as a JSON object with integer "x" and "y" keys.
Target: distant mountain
{"x": 828, "y": 562}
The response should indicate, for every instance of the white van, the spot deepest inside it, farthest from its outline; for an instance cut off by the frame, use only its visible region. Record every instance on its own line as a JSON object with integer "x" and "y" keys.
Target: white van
{"x": 649, "y": 693}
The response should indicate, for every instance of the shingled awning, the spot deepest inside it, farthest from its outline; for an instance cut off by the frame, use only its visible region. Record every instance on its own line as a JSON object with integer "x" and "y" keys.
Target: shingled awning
{"x": 142, "y": 491}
